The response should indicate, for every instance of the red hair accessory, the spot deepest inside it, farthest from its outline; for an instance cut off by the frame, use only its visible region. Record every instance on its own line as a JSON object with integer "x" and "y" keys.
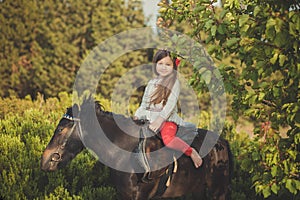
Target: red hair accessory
{"x": 177, "y": 62}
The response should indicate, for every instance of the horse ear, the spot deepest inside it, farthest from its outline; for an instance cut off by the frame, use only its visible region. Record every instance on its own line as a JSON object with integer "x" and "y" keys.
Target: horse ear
{"x": 75, "y": 110}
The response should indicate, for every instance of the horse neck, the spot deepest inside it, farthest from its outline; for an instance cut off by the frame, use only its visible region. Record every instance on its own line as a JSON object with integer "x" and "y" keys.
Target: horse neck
{"x": 120, "y": 130}
{"x": 114, "y": 136}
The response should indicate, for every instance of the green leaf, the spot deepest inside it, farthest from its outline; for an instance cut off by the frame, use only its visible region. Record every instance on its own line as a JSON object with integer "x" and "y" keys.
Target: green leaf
{"x": 256, "y": 10}
{"x": 297, "y": 183}
{"x": 270, "y": 33}
{"x": 275, "y": 188}
{"x": 270, "y": 23}
{"x": 211, "y": 49}
{"x": 213, "y": 30}
{"x": 162, "y": 10}
{"x": 274, "y": 171}
{"x": 297, "y": 138}
{"x": 281, "y": 38}
{"x": 276, "y": 91}
{"x": 261, "y": 96}
{"x": 256, "y": 177}
{"x": 291, "y": 186}
{"x": 232, "y": 41}
{"x": 258, "y": 188}
{"x": 274, "y": 58}
{"x": 256, "y": 156}
{"x": 229, "y": 68}
{"x": 245, "y": 28}
{"x": 208, "y": 24}
{"x": 253, "y": 99}
{"x": 286, "y": 166}
{"x": 221, "y": 29}
{"x": 199, "y": 9}
{"x": 266, "y": 191}
{"x": 207, "y": 76}
{"x": 282, "y": 59}
{"x": 243, "y": 19}
{"x": 208, "y": 39}
{"x": 292, "y": 153}
{"x": 201, "y": 70}
{"x": 278, "y": 24}
{"x": 223, "y": 13}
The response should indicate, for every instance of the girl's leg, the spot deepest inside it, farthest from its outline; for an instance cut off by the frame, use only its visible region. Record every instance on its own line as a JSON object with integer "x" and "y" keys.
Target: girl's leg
{"x": 168, "y": 134}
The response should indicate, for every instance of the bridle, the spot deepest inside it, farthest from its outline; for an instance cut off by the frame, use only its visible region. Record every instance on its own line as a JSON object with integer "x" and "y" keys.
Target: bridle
{"x": 56, "y": 156}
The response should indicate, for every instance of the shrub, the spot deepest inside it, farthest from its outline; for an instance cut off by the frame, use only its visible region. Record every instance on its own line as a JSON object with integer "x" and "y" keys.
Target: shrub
{"x": 26, "y": 128}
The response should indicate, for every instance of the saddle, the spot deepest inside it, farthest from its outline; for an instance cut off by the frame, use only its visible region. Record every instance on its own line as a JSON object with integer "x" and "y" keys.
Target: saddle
{"x": 157, "y": 160}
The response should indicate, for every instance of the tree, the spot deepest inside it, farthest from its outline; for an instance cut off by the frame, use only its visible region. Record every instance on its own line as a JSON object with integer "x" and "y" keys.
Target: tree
{"x": 264, "y": 37}
{"x": 43, "y": 43}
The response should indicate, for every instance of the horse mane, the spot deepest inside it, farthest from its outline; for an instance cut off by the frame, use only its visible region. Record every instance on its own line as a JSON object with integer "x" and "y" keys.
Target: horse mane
{"x": 100, "y": 110}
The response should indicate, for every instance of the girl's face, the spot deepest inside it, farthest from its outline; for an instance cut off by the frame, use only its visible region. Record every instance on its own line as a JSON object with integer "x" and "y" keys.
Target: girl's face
{"x": 164, "y": 67}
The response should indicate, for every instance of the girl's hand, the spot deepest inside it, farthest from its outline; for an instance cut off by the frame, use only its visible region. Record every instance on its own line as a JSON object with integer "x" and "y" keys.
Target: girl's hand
{"x": 155, "y": 126}
{"x": 135, "y": 118}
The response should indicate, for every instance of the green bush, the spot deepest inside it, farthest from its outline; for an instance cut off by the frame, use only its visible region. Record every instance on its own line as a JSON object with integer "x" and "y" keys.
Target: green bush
{"x": 257, "y": 162}
{"x": 26, "y": 128}
{"x": 241, "y": 184}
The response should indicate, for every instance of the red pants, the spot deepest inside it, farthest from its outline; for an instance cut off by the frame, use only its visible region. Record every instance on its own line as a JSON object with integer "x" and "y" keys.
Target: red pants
{"x": 168, "y": 134}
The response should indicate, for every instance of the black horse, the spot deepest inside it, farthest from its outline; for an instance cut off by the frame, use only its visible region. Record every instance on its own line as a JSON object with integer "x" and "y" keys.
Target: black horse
{"x": 212, "y": 178}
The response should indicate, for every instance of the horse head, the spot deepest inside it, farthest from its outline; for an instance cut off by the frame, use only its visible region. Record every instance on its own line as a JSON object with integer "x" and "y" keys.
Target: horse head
{"x": 65, "y": 144}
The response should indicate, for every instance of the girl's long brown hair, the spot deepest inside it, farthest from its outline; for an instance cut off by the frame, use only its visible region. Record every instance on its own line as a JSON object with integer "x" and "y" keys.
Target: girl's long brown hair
{"x": 164, "y": 87}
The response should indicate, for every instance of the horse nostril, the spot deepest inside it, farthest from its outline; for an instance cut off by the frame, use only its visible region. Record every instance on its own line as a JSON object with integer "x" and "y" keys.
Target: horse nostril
{"x": 56, "y": 157}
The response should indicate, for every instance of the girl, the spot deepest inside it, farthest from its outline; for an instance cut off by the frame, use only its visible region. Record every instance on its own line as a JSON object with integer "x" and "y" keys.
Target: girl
{"x": 159, "y": 105}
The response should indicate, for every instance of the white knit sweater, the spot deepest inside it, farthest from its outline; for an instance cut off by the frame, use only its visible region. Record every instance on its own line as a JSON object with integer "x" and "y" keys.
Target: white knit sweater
{"x": 168, "y": 112}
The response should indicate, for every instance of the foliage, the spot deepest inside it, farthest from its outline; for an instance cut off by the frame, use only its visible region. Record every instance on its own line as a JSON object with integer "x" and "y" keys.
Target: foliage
{"x": 264, "y": 37}
{"x": 26, "y": 128}
{"x": 43, "y": 43}
{"x": 241, "y": 184}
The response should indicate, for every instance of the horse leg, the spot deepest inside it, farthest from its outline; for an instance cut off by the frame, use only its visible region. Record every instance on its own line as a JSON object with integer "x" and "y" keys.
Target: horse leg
{"x": 130, "y": 187}
{"x": 146, "y": 190}
{"x": 219, "y": 178}
{"x": 137, "y": 195}
{"x": 199, "y": 196}
{"x": 219, "y": 192}
{"x": 141, "y": 192}
{"x": 125, "y": 183}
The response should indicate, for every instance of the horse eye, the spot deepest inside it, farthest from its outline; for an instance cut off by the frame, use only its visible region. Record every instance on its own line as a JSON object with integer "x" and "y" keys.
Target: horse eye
{"x": 60, "y": 129}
